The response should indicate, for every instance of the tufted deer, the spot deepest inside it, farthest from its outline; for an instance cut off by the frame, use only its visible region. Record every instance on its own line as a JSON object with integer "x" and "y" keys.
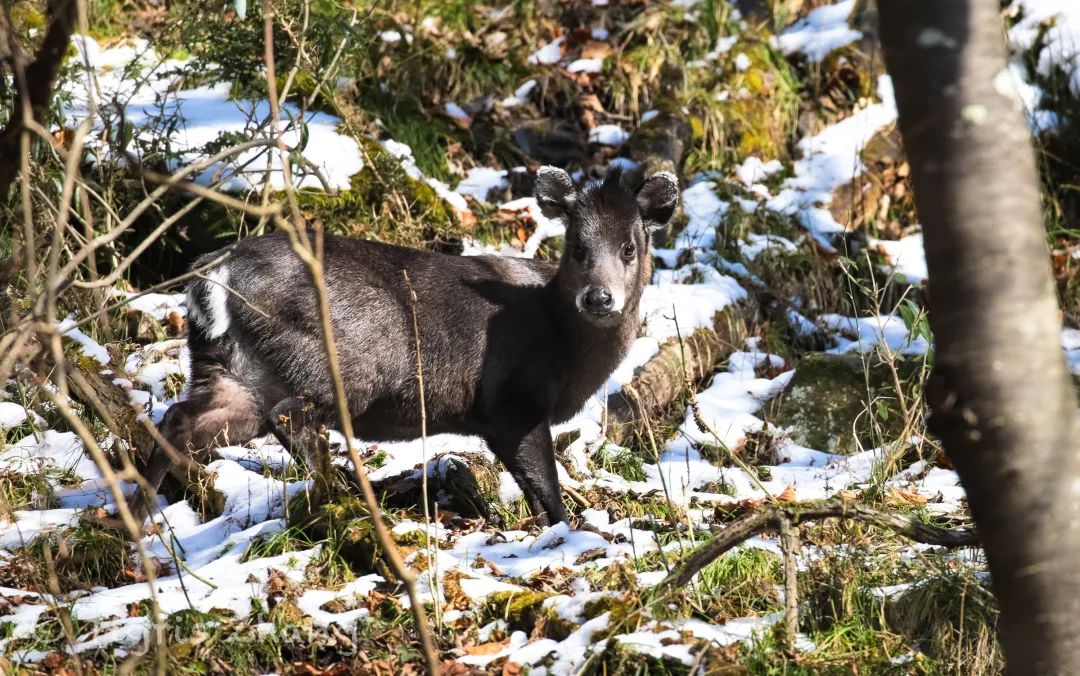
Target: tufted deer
{"x": 509, "y": 345}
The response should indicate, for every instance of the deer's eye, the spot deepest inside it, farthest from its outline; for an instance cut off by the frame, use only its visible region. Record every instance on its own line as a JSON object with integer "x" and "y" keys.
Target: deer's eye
{"x": 628, "y": 251}
{"x": 578, "y": 253}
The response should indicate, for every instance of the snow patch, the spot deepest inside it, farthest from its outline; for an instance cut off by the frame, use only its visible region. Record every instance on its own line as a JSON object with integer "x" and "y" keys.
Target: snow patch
{"x": 821, "y": 32}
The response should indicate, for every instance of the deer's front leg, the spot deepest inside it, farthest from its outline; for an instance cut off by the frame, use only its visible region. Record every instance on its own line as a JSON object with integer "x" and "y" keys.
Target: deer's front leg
{"x": 530, "y": 457}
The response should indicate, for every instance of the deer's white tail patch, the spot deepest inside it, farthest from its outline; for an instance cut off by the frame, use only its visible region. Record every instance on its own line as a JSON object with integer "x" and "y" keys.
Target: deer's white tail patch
{"x": 208, "y": 302}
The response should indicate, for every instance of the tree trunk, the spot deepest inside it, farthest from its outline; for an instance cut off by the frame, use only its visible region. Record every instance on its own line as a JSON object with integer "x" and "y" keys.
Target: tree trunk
{"x": 33, "y": 82}
{"x": 660, "y": 145}
{"x": 1000, "y": 394}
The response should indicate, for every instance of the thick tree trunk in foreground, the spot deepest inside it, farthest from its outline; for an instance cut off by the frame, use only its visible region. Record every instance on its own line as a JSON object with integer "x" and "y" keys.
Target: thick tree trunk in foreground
{"x": 1000, "y": 395}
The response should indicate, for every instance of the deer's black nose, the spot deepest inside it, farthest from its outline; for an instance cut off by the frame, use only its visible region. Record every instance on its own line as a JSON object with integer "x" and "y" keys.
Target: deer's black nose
{"x": 598, "y": 301}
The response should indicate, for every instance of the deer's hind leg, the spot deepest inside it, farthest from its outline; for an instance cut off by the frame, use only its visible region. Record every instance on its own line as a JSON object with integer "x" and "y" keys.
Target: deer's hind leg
{"x": 218, "y": 411}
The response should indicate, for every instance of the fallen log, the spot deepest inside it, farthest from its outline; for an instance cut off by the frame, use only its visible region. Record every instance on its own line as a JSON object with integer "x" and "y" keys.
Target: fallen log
{"x": 112, "y": 403}
{"x": 664, "y": 378}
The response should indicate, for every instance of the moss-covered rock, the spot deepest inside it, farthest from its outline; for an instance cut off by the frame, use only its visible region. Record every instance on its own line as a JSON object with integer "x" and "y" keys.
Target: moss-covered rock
{"x": 624, "y": 615}
{"x": 384, "y": 203}
{"x": 660, "y": 144}
{"x": 841, "y": 403}
{"x": 521, "y": 610}
{"x": 529, "y": 611}
{"x": 346, "y": 526}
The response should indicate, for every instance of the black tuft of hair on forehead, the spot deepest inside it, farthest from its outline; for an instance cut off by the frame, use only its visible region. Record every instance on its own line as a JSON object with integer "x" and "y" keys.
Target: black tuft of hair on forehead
{"x": 612, "y": 189}
{"x": 614, "y": 195}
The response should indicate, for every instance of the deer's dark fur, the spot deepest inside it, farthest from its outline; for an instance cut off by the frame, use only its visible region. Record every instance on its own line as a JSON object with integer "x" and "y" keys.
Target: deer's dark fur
{"x": 509, "y": 345}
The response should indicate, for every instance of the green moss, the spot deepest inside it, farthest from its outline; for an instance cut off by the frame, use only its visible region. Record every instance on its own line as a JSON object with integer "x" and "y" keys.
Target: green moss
{"x": 25, "y": 16}
{"x": 520, "y": 610}
{"x": 415, "y": 539}
{"x": 346, "y": 529}
{"x": 841, "y": 403}
{"x": 384, "y": 203}
{"x": 525, "y": 611}
{"x": 624, "y": 612}
{"x": 759, "y": 114}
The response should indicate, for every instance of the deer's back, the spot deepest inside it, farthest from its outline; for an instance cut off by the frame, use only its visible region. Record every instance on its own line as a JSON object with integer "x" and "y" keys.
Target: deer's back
{"x": 482, "y": 320}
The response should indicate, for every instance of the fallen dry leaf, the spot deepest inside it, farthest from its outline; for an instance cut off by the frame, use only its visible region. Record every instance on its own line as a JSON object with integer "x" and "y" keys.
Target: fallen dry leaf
{"x": 590, "y": 555}
{"x": 175, "y": 323}
{"x": 788, "y": 495}
{"x": 489, "y": 648}
{"x": 512, "y": 669}
{"x": 594, "y": 49}
{"x": 455, "y": 596}
{"x": 468, "y": 218}
{"x": 907, "y": 497}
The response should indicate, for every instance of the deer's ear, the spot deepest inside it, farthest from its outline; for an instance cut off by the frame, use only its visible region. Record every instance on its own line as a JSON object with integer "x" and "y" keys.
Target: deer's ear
{"x": 555, "y": 192}
{"x": 657, "y": 198}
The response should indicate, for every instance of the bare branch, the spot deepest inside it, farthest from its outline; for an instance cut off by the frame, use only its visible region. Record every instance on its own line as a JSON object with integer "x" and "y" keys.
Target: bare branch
{"x": 768, "y": 518}
{"x": 789, "y": 544}
{"x": 310, "y": 254}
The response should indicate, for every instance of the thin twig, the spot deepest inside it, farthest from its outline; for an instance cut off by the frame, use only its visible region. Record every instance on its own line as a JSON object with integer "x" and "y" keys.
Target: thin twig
{"x": 167, "y": 183}
{"x": 122, "y": 266}
{"x": 194, "y": 272}
{"x": 433, "y": 571}
{"x": 311, "y": 256}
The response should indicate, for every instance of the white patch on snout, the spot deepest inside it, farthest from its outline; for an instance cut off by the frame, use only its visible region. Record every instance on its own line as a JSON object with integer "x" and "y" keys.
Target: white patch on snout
{"x": 216, "y": 316}
{"x": 619, "y": 298}
{"x": 580, "y": 300}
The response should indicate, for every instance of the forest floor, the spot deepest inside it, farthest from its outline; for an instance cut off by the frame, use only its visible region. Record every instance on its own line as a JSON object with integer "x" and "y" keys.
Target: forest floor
{"x": 797, "y": 245}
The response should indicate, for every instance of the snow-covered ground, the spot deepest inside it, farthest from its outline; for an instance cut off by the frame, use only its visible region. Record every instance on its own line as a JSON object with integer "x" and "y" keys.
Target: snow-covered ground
{"x": 218, "y": 571}
{"x": 132, "y": 79}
